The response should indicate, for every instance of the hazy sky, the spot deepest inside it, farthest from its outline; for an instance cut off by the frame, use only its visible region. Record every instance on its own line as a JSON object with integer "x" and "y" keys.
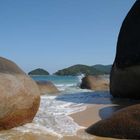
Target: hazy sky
{"x": 53, "y": 34}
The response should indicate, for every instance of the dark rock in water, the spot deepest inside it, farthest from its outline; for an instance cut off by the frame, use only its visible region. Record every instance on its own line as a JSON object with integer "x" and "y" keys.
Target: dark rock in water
{"x": 97, "y": 83}
{"x": 38, "y": 71}
{"x": 47, "y": 87}
{"x": 124, "y": 124}
{"x": 125, "y": 73}
{"x": 19, "y": 96}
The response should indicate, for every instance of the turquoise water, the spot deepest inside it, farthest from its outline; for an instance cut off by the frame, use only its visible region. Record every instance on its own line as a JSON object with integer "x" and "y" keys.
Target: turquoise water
{"x": 58, "y": 79}
{"x": 63, "y": 83}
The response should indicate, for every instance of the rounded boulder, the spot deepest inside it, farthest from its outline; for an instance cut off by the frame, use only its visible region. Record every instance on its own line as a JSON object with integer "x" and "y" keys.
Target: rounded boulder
{"x": 19, "y": 96}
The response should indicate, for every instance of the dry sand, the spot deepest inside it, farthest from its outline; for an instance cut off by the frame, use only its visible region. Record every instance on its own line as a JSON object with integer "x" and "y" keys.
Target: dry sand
{"x": 88, "y": 116}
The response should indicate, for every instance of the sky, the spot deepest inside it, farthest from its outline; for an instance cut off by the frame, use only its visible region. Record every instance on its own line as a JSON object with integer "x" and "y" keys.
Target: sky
{"x": 55, "y": 34}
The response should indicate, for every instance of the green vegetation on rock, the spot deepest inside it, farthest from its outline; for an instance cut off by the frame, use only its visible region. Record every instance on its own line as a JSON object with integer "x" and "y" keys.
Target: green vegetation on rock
{"x": 87, "y": 70}
{"x": 38, "y": 72}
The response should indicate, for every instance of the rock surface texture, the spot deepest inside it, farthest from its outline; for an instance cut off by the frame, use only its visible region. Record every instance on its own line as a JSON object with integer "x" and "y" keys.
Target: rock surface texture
{"x": 19, "y": 96}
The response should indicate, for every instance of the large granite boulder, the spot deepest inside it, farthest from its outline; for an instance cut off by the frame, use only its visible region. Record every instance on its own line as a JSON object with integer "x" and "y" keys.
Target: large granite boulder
{"x": 124, "y": 124}
{"x": 46, "y": 87}
{"x": 97, "y": 83}
{"x": 125, "y": 73}
{"x": 19, "y": 96}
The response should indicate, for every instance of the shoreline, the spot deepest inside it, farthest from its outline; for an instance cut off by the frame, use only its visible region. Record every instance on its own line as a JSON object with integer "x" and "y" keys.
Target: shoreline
{"x": 96, "y": 109}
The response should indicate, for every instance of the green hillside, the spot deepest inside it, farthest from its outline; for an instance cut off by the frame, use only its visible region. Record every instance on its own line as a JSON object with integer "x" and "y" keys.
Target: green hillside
{"x": 38, "y": 72}
{"x": 78, "y": 69}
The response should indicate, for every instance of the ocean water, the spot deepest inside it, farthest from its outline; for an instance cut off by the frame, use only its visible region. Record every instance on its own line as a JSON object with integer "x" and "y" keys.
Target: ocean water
{"x": 63, "y": 83}
{"x": 53, "y": 115}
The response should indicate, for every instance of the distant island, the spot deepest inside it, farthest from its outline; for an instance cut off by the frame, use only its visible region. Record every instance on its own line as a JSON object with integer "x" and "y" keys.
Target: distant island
{"x": 87, "y": 70}
{"x": 38, "y": 71}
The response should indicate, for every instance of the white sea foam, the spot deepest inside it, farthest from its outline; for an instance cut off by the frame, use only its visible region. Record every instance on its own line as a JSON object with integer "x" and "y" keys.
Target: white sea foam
{"x": 71, "y": 88}
{"x": 80, "y": 78}
{"x": 53, "y": 114}
{"x": 52, "y": 118}
{"x": 54, "y": 110}
{"x": 64, "y": 87}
